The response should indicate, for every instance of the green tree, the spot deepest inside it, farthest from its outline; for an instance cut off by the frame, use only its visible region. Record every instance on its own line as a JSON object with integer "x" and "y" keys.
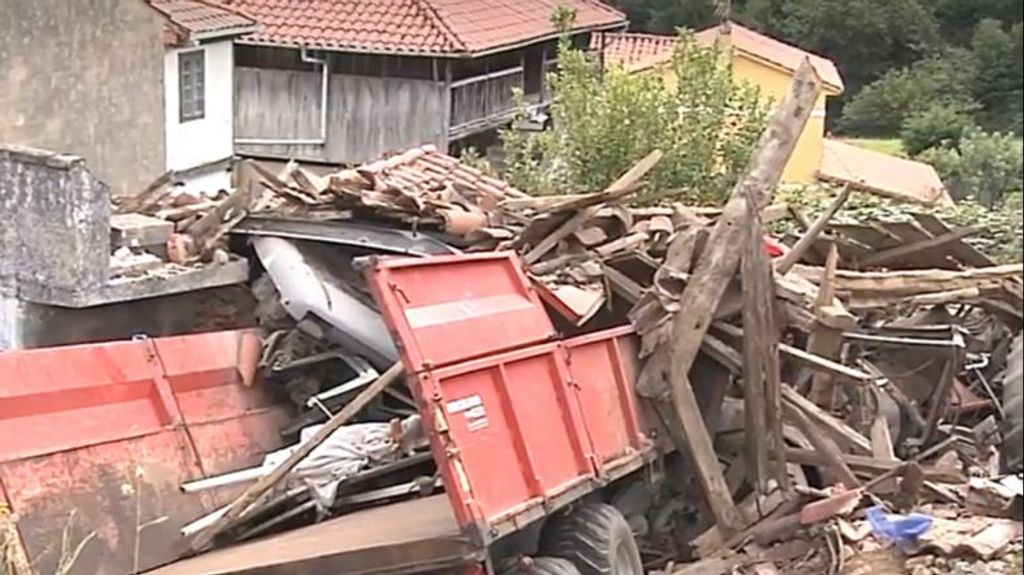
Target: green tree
{"x": 602, "y": 123}
{"x": 997, "y": 54}
{"x": 665, "y": 16}
{"x": 882, "y": 107}
{"x": 941, "y": 123}
{"x": 986, "y": 166}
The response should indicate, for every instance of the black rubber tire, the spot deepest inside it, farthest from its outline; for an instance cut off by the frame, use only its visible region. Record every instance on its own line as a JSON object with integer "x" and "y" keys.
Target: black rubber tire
{"x": 539, "y": 566}
{"x": 1012, "y": 450}
{"x": 596, "y": 538}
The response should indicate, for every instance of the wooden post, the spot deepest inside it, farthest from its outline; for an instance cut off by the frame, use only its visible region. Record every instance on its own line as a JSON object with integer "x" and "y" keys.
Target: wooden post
{"x": 825, "y": 340}
{"x": 716, "y": 266}
{"x": 240, "y": 505}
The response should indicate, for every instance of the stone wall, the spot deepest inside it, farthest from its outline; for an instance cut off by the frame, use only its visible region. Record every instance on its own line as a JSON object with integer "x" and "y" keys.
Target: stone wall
{"x": 86, "y": 77}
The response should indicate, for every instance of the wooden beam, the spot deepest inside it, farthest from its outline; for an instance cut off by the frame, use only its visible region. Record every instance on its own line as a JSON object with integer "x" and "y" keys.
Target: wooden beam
{"x": 240, "y": 505}
{"x": 843, "y": 434}
{"x": 825, "y": 341}
{"x": 818, "y": 363}
{"x": 625, "y": 184}
{"x": 911, "y": 282}
{"x": 913, "y": 248}
{"x": 806, "y": 241}
{"x": 716, "y": 267}
{"x": 757, "y": 345}
{"x": 823, "y": 444}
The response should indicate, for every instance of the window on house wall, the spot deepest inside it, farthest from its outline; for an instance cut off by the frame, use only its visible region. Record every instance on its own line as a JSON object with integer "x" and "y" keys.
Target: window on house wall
{"x": 191, "y": 85}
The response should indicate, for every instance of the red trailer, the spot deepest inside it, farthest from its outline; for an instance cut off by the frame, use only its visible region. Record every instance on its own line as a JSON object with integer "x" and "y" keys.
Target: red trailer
{"x": 528, "y": 432}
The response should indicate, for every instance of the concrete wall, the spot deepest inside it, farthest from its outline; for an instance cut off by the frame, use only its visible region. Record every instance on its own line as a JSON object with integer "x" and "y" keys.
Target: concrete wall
{"x": 54, "y": 226}
{"x": 85, "y": 77}
{"x": 198, "y": 142}
{"x": 366, "y": 115}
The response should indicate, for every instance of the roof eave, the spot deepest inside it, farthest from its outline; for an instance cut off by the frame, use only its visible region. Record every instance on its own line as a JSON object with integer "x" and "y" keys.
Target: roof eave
{"x": 455, "y": 55}
{"x": 830, "y": 88}
{"x": 223, "y": 33}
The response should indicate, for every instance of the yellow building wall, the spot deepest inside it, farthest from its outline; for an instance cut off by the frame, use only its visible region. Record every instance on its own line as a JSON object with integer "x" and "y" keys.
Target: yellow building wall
{"x": 773, "y": 82}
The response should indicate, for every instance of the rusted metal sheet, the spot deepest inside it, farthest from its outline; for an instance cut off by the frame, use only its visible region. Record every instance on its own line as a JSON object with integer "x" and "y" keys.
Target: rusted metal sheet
{"x": 520, "y": 423}
{"x": 447, "y": 309}
{"x": 98, "y": 438}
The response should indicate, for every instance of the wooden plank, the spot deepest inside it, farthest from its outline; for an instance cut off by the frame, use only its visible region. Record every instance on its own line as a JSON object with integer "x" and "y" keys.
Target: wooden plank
{"x": 806, "y": 241}
{"x": 869, "y": 235}
{"x": 843, "y": 434}
{"x": 622, "y": 284}
{"x": 966, "y": 253}
{"x": 910, "y": 232}
{"x": 925, "y": 247}
{"x": 825, "y": 341}
{"x": 757, "y": 345}
{"x": 911, "y": 282}
{"x": 823, "y": 444}
{"x": 713, "y": 271}
{"x": 882, "y": 448}
{"x": 625, "y": 184}
{"x": 241, "y": 504}
{"x": 818, "y": 363}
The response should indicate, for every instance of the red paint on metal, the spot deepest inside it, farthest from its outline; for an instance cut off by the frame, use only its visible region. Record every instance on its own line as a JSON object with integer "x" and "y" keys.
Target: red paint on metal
{"x": 100, "y": 436}
{"x": 446, "y": 309}
{"x": 511, "y": 429}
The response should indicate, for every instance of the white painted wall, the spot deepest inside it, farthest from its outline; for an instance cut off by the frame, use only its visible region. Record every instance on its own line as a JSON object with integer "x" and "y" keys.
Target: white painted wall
{"x": 10, "y": 323}
{"x": 209, "y": 139}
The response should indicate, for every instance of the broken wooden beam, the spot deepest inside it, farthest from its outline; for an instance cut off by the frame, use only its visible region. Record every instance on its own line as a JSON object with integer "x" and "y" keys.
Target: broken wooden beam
{"x": 799, "y": 249}
{"x": 913, "y": 248}
{"x": 825, "y": 341}
{"x": 241, "y": 504}
{"x": 712, "y": 273}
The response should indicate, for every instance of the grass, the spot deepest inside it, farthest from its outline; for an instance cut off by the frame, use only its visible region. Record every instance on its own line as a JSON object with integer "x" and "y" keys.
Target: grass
{"x": 891, "y": 146}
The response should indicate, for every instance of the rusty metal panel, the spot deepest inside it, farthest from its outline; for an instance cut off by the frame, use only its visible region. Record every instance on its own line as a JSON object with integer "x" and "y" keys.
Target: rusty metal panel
{"x": 98, "y": 438}
{"x": 447, "y": 309}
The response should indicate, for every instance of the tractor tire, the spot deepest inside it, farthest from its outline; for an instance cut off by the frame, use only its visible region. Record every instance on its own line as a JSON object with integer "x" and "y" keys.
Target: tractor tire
{"x": 539, "y": 566}
{"x": 1013, "y": 395}
{"x": 596, "y": 538}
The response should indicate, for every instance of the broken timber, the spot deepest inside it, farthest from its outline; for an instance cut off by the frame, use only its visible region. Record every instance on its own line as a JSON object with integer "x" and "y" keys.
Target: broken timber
{"x": 708, "y": 282}
{"x": 240, "y": 505}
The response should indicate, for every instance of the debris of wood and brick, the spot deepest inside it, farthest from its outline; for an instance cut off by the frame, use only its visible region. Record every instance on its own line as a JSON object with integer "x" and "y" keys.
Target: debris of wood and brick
{"x": 827, "y": 392}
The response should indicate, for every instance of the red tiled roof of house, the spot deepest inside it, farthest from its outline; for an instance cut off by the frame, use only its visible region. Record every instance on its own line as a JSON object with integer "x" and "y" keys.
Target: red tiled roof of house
{"x": 633, "y": 51}
{"x": 882, "y": 174}
{"x": 442, "y": 27}
{"x": 204, "y": 17}
{"x": 785, "y": 55}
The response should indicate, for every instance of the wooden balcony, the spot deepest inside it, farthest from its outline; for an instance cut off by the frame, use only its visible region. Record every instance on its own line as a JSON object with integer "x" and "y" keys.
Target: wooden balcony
{"x": 484, "y": 102}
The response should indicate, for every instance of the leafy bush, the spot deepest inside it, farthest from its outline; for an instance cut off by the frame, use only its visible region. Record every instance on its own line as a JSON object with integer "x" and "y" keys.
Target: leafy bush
{"x": 941, "y": 123}
{"x": 984, "y": 165}
{"x": 1001, "y": 239}
{"x": 882, "y": 107}
{"x": 996, "y": 54}
{"x": 602, "y": 123}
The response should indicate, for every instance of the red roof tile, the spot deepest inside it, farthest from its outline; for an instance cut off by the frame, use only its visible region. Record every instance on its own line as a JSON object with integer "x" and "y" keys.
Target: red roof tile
{"x": 632, "y": 51}
{"x": 882, "y": 174}
{"x": 416, "y": 26}
{"x": 785, "y": 55}
{"x": 204, "y": 17}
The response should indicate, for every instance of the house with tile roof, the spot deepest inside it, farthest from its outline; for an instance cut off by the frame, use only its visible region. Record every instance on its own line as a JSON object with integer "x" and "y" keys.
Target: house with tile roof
{"x": 135, "y": 87}
{"x": 346, "y": 80}
{"x": 769, "y": 64}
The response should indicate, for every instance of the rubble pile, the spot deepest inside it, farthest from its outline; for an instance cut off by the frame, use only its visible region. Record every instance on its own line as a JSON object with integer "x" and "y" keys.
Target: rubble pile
{"x": 820, "y": 397}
